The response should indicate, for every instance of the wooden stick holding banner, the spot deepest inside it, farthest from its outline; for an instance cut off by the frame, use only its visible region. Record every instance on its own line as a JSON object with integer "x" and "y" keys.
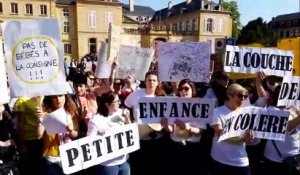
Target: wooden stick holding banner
{"x": 266, "y": 123}
{"x": 93, "y": 150}
{"x": 252, "y": 60}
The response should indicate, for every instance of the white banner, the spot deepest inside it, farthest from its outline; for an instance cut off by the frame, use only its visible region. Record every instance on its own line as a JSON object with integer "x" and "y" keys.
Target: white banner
{"x": 4, "y": 96}
{"x": 114, "y": 41}
{"x": 177, "y": 61}
{"x": 35, "y": 61}
{"x": 56, "y": 121}
{"x": 271, "y": 61}
{"x": 193, "y": 110}
{"x": 266, "y": 123}
{"x": 93, "y": 150}
{"x": 103, "y": 69}
{"x": 290, "y": 92}
{"x": 133, "y": 61}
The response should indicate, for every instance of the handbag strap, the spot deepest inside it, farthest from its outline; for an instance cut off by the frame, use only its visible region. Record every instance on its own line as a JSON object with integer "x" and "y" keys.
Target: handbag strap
{"x": 277, "y": 150}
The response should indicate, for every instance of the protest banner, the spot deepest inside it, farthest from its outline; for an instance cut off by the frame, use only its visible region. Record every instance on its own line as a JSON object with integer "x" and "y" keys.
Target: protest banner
{"x": 4, "y": 96}
{"x": 271, "y": 61}
{"x": 177, "y": 61}
{"x": 103, "y": 69}
{"x": 290, "y": 92}
{"x": 193, "y": 110}
{"x": 266, "y": 123}
{"x": 56, "y": 121}
{"x": 114, "y": 41}
{"x": 133, "y": 61}
{"x": 93, "y": 150}
{"x": 35, "y": 59}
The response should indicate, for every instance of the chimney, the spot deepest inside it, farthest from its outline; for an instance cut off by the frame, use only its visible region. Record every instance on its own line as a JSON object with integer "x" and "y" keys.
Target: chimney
{"x": 188, "y": 2}
{"x": 202, "y": 4}
{"x": 170, "y": 5}
{"x": 131, "y": 5}
{"x": 220, "y": 5}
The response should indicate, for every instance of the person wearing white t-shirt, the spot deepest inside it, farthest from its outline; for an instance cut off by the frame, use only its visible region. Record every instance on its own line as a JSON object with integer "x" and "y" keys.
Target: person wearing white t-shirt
{"x": 185, "y": 138}
{"x": 276, "y": 151}
{"x": 109, "y": 117}
{"x": 229, "y": 157}
{"x": 151, "y": 138}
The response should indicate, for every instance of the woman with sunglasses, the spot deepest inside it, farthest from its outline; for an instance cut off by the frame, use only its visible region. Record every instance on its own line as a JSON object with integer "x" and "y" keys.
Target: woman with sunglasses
{"x": 51, "y": 142}
{"x": 229, "y": 157}
{"x": 185, "y": 144}
{"x": 151, "y": 139}
{"x": 109, "y": 117}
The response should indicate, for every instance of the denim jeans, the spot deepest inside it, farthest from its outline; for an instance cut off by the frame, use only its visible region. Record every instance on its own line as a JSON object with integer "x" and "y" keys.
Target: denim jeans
{"x": 122, "y": 169}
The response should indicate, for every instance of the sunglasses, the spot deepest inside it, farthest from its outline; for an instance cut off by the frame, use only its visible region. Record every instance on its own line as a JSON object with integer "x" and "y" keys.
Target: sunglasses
{"x": 91, "y": 78}
{"x": 242, "y": 96}
{"x": 183, "y": 88}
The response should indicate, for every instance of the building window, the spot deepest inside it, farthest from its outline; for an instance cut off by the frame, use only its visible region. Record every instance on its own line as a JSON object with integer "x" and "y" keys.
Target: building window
{"x": 287, "y": 34}
{"x": 108, "y": 18}
{"x": 43, "y": 9}
{"x": 1, "y": 9}
{"x": 92, "y": 45}
{"x": 65, "y": 13}
{"x": 28, "y": 9}
{"x": 66, "y": 26}
{"x": 187, "y": 25}
{"x": 209, "y": 25}
{"x": 194, "y": 25}
{"x": 92, "y": 19}
{"x": 174, "y": 27}
{"x": 14, "y": 8}
{"x": 67, "y": 48}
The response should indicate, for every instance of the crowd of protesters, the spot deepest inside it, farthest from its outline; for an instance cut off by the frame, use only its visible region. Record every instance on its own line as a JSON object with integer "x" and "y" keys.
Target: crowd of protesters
{"x": 167, "y": 149}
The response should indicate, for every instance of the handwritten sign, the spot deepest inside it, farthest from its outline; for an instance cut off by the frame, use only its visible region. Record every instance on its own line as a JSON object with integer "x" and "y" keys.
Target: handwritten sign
{"x": 290, "y": 92}
{"x": 134, "y": 61}
{"x": 35, "y": 57}
{"x": 252, "y": 60}
{"x": 114, "y": 41}
{"x": 177, "y": 61}
{"x": 4, "y": 97}
{"x": 103, "y": 69}
{"x": 92, "y": 150}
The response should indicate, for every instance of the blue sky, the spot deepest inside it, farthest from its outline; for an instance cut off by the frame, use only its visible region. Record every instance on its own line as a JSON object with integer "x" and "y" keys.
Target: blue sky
{"x": 249, "y": 9}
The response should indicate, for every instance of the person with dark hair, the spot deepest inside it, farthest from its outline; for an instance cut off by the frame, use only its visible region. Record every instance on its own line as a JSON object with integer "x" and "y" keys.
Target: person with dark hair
{"x": 51, "y": 142}
{"x": 218, "y": 87}
{"x": 108, "y": 118}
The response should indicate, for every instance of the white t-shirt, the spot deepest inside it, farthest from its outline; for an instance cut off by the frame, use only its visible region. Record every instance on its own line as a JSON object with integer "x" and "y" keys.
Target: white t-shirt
{"x": 225, "y": 152}
{"x": 287, "y": 148}
{"x": 107, "y": 123}
{"x": 211, "y": 95}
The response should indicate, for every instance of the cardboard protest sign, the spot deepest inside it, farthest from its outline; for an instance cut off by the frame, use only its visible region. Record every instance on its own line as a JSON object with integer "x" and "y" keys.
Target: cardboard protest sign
{"x": 56, "y": 121}
{"x": 266, "y": 123}
{"x": 290, "y": 92}
{"x": 93, "y": 150}
{"x": 114, "y": 41}
{"x": 34, "y": 56}
{"x": 4, "y": 96}
{"x": 271, "y": 61}
{"x": 177, "y": 61}
{"x": 193, "y": 110}
{"x": 133, "y": 61}
{"x": 103, "y": 69}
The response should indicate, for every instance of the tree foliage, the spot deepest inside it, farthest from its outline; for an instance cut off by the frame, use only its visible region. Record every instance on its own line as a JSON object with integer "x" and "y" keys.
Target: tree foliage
{"x": 256, "y": 31}
{"x": 236, "y": 24}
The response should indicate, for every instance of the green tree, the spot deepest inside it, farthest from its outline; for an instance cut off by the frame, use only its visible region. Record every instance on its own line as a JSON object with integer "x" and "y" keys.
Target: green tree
{"x": 257, "y": 31}
{"x": 236, "y": 24}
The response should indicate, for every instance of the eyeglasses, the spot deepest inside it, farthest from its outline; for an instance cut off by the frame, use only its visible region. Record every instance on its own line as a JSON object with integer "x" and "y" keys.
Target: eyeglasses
{"x": 183, "y": 88}
{"x": 242, "y": 96}
{"x": 117, "y": 101}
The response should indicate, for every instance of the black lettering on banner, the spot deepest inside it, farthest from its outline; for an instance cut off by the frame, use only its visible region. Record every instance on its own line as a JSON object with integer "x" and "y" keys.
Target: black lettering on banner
{"x": 245, "y": 122}
{"x": 174, "y": 110}
{"x": 28, "y": 45}
{"x": 98, "y": 147}
{"x": 227, "y": 125}
{"x": 153, "y": 110}
{"x": 72, "y": 154}
{"x": 255, "y": 60}
{"x": 45, "y": 53}
{"x": 119, "y": 138}
{"x": 129, "y": 138}
{"x": 264, "y": 60}
{"x": 227, "y": 59}
{"x": 289, "y": 63}
{"x": 271, "y": 57}
{"x": 43, "y": 44}
{"x": 186, "y": 107}
{"x": 282, "y": 125}
{"x": 86, "y": 152}
{"x": 246, "y": 58}
{"x": 142, "y": 107}
{"x": 284, "y": 90}
{"x": 293, "y": 90}
{"x": 195, "y": 108}
{"x": 273, "y": 121}
{"x": 108, "y": 141}
{"x": 163, "y": 108}
{"x": 279, "y": 63}
{"x": 236, "y": 59}
{"x": 251, "y": 125}
{"x": 204, "y": 110}
{"x": 262, "y": 122}
{"x": 236, "y": 124}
